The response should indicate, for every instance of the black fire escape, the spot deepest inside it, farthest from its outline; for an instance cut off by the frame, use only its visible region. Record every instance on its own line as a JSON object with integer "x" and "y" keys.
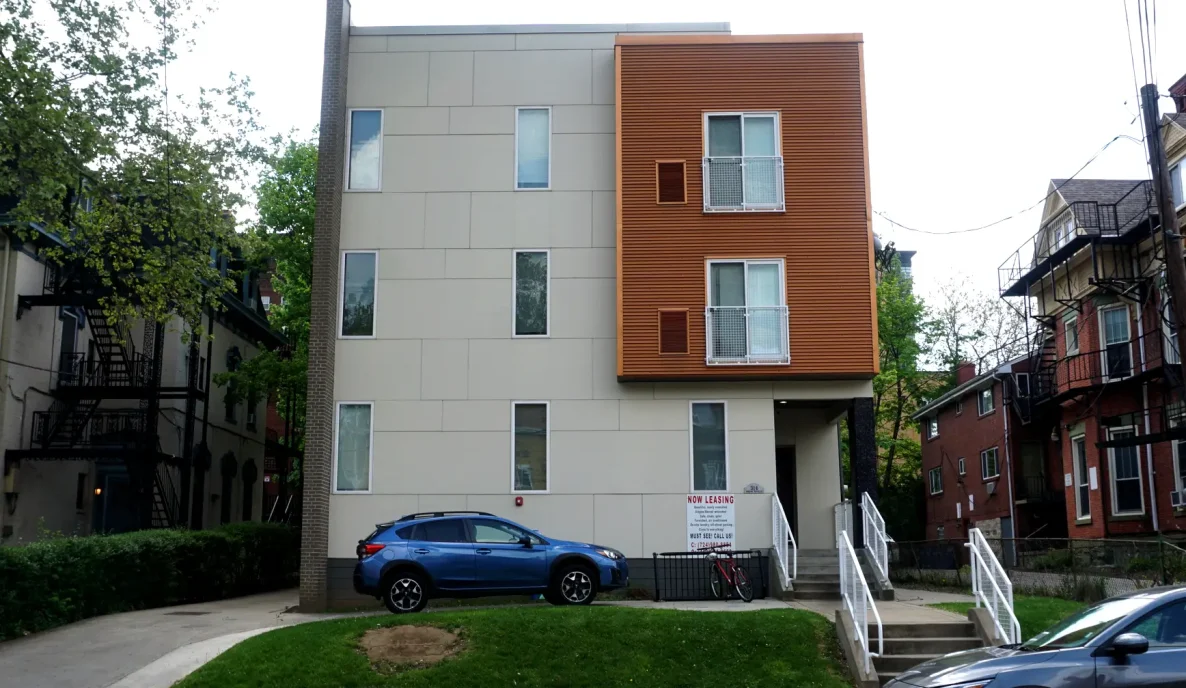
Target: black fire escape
{"x": 125, "y": 430}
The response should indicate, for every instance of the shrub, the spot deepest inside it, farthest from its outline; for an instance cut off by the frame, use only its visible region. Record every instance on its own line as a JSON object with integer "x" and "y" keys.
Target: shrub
{"x": 61, "y": 580}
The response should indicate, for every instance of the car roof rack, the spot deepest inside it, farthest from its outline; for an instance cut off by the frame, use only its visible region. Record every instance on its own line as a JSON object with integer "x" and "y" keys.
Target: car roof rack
{"x": 437, "y": 514}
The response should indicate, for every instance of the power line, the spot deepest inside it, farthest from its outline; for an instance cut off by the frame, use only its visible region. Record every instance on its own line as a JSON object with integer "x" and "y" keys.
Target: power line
{"x": 895, "y": 223}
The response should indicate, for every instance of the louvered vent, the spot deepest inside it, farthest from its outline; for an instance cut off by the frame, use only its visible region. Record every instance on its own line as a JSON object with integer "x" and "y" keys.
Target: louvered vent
{"x": 673, "y": 187}
{"x": 673, "y": 332}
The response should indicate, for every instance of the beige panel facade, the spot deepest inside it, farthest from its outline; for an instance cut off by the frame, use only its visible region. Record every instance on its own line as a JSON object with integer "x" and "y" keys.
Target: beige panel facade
{"x": 444, "y": 367}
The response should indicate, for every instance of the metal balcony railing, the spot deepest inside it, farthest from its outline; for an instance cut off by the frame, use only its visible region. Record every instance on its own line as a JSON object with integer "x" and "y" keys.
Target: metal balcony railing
{"x": 76, "y": 369}
{"x": 76, "y": 429}
{"x": 1088, "y": 369}
{"x": 1036, "y": 488}
{"x": 1054, "y": 242}
{"x": 746, "y": 335}
{"x": 743, "y": 184}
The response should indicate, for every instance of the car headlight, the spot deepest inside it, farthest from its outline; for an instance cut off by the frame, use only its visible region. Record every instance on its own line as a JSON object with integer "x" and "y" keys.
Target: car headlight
{"x": 610, "y": 554}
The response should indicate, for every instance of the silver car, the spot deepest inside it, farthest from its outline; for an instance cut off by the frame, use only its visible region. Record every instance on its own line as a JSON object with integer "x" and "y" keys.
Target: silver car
{"x": 1138, "y": 639}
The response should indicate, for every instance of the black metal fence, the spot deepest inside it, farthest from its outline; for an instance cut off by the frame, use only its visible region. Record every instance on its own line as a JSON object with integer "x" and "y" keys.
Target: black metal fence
{"x": 1048, "y": 565}
{"x": 682, "y": 576}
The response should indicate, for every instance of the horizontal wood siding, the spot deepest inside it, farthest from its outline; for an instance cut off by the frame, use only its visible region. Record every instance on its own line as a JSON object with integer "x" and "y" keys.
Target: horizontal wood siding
{"x": 823, "y": 236}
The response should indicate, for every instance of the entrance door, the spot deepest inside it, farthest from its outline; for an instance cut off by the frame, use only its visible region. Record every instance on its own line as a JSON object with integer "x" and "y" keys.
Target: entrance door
{"x": 784, "y": 477}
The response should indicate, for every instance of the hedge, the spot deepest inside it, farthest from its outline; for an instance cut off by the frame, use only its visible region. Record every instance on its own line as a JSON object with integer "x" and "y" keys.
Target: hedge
{"x": 61, "y": 580}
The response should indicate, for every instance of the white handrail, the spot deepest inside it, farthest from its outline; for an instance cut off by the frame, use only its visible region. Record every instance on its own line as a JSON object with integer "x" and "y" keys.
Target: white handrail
{"x": 987, "y": 572}
{"x": 785, "y": 548}
{"x": 876, "y": 541}
{"x": 842, "y": 516}
{"x": 858, "y": 599}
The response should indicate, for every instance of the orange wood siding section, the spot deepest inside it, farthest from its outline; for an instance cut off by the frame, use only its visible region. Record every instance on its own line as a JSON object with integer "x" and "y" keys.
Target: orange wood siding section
{"x": 824, "y": 236}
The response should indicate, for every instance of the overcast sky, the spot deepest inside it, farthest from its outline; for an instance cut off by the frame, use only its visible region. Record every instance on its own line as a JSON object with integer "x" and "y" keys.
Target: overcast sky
{"x": 972, "y": 108}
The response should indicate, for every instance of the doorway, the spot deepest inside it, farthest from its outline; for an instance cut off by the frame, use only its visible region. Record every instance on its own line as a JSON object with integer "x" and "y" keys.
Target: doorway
{"x": 784, "y": 478}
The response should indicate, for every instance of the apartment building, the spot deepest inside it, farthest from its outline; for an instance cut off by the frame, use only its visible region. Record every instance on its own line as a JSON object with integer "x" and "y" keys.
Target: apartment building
{"x": 582, "y": 277}
{"x": 93, "y": 432}
{"x": 982, "y": 466}
{"x": 1106, "y": 370}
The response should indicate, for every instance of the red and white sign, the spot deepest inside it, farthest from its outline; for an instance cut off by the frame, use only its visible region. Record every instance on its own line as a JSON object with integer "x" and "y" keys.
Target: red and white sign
{"x": 711, "y": 522}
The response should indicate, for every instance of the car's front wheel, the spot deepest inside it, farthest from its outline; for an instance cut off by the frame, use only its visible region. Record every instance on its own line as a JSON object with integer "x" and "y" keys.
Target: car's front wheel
{"x": 406, "y": 592}
{"x": 574, "y": 584}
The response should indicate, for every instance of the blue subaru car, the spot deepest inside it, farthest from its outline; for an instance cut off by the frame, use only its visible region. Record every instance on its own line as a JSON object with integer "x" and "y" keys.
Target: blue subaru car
{"x": 473, "y": 553}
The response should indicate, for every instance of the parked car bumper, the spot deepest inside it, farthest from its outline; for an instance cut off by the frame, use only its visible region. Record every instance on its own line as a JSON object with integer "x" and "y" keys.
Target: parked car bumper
{"x": 614, "y": 574}
{"x": 366, "y": 582}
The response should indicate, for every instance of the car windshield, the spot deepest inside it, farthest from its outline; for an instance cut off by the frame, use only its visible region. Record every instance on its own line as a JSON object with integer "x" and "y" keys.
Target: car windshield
{"x": 1080, "y": 629}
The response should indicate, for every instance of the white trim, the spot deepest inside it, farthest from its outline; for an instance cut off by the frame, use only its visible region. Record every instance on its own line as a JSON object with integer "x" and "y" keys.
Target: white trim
{"x": 996, "y": 456}
{"x": 981, "y": 411}
{"x": 547, "y": 446}
{"x": 349, "y": 127}
{"x": 1080, "y": 480}
{"x": 370, "y": 449}
{"x": 782, "y": 299}
{"x": 1112, "y": 472}
{"x": 961, "y": 465}
{"x": 933, "y": 421}
{"x": 778, "y": 206}
{"x": 1070, "y": 323}
{"x": 692, "y": 446}
{"x": 516, "y": 170}
{"x": 937, "y": 470}
{"x": 1181, "y": 184}
{"x": 515, "y": 294}
{"x": 1103, "y": 337}
{"x": 743, "y": 114}
{"x": 342, "y": 297}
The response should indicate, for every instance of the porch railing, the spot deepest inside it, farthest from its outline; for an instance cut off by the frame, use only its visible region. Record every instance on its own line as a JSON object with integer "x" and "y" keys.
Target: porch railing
{"x": 876, "y": 539}
{"x": 858, "y": 600}
{"x": 747, "y": 335}
{"x": 842, "y": 519}
{"x": 992, "y": 588}
{"x": 741, "y": 184}
{"x": 786, "y": 550}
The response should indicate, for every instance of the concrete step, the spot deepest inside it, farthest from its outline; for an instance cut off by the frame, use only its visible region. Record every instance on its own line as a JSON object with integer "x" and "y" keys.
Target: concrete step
{"x": 828, "y": 577}
{"x": 816, "y": 595}
{"x": 806, "y": 569}
{"x": 935, "y": 646}
{"x": 955, "y": 629}
{"x": 816, "y": 586}
{"x": 889, "y": 663}
{"x": 832, "y": 553}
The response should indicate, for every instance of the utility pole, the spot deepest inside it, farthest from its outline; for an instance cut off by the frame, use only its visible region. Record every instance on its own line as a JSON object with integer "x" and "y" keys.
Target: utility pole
{"x": 1171, "y": 236}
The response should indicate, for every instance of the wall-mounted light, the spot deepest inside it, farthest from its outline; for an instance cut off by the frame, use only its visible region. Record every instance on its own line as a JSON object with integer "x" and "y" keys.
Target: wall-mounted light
{"x": 11, "y": 470}
{"x": 1054, "y": 436}
{"x": 98, "y": 491}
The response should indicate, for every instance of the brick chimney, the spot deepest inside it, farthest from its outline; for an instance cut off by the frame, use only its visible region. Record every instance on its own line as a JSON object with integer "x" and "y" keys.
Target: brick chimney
{"x": 964, "y": 371}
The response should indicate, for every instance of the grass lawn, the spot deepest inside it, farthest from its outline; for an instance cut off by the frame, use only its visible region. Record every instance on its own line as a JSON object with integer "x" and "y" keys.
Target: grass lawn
{"x": 584, "y": 646}
{"x": 1035, "y": 614}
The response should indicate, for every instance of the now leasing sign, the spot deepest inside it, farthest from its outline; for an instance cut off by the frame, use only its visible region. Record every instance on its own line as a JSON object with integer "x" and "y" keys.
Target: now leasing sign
{"x": 710, "y": 521}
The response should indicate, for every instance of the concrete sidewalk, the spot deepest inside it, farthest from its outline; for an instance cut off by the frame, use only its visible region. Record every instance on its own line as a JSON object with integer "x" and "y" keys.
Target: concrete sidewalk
{"x": 115, "y": 649}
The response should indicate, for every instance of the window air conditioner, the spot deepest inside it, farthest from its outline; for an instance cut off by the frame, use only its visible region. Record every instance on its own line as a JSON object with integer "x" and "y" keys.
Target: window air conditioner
{"x": 1178, "y": 498}
{"x": 991, "y": 488}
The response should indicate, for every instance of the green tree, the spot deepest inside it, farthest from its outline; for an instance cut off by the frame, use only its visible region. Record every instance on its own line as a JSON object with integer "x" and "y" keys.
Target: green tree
{"x": 138, "y": 186}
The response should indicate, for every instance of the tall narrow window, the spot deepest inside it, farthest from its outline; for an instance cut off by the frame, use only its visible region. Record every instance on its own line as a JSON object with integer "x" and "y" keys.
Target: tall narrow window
{"x": 1176, "y": 185}
{"x": 1070, "y": 326}
{"x": 989, "y": 466}
{"x": 531, "y": 293}
{"x": 530, "y": 447}
{"x": 747, "y": 315}
{"x": 1127, "y": 495}
{"x": 935, "y": 476}
{"x": 932, "y": 427}
{"x": 352, "y": 447}
{"x": 359, "y": 269}
{"x": 1179, "y": 465}
{"x": 710, "y": 452}
{"x": 366, "y": 150}
{"x": 533, "y": 148}
{"x": 962, "y": 466}
{"x": 984, "y": 401}
{"x": 1082, "y": 486}
{"x": 1114, "y": 331}
{"x": 742, "y": 165}
{"x": 1169, "y": 328}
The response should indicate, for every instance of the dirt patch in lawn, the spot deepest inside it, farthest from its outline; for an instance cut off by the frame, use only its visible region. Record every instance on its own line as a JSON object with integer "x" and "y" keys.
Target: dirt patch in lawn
{"x": 403, "y": 647}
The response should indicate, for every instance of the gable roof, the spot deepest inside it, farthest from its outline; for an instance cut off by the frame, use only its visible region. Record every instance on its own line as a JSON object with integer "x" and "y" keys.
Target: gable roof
{"x": 1133, "y": 199}
{"x": 1178, "y": 118}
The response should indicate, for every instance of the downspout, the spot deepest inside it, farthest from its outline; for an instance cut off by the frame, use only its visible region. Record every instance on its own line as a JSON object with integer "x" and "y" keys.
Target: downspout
{"x": 1145, "y": 409}
{"x": 1008, "y": 457}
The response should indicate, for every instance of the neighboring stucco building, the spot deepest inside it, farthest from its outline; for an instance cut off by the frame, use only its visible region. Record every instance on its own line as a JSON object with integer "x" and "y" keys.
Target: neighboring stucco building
{"x": 591, "y": 270}
{"x": 73, "y": 418}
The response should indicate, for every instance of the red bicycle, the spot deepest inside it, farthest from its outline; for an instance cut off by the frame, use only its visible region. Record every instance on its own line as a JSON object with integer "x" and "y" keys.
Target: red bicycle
{"x": 726, "y": 575}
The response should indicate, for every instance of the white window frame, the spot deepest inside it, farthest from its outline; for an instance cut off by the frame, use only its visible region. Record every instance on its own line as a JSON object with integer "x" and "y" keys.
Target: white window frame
{"x": 1176, "y": 168}
{"x": 933, "y": 427}
{"x": 996, "y": 459}
{"x": 1064, "y": 231}
{"x": 692, "y": 446}
{"x": 1103, "y": 337}
{"x": 1017, "y": 378}
{"x": 992, "y": 402}
{"x": 342, "y": 297}
{"x": 959, "y": 406}
{"x": 1179, "y": 484}
{"x": 936, "y": 472}
{"x": 550, "y": 149}
{"x": 1070, "y": 323}
{"x": 1081, "y": 478}
{"x": 782, "y": 301}
{"x": 547, "y": 445}
{"x": 962, "y": 466}
{"x": 1169, "y": 343}
{"x": 370, "y": 449}
{"x": 1112, "y": 472}
{"x": 742, "y": 114}
{"x": 349, "y": 132}
{"x": 515, "y": 293}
